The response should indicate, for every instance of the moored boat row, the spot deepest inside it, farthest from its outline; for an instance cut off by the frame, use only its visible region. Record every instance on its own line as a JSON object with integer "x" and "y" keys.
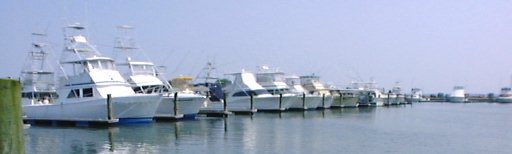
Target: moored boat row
{"x": 92, "y": 89}
{"x": 128, "y": 88}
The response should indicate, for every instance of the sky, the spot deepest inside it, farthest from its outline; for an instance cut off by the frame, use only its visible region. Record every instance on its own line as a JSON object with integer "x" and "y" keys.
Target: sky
{"x": 429, "y": 44}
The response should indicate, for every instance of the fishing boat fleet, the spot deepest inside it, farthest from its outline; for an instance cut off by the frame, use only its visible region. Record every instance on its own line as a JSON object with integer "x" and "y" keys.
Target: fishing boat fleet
{"x": 128, "y": 88}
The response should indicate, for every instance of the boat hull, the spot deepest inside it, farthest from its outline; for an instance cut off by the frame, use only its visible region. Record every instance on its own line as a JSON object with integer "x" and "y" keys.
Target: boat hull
{"x": 457, "y": 99}
{"x": 310, "y": 102}
{"x": 412, "y": 100}
{"x": 188, "y": 106}
{"x": 345, "y": 101}
{"x": 260, "y": 103}
{"x": 504, "y": 99}
{"x": 328, "y": 100}
{"x": 128, "y": 109}
{"x": 377, "y": 102}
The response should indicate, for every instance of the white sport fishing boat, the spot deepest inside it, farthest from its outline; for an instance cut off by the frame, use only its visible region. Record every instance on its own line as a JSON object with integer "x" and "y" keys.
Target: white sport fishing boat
{"x": 275, "y": 82}
{"x": 390, "y": 98}
{"x": 305, "y": 100}
{"x": 458, "y": 95}
{"x": 348, "y": 97}
{"x": 370, "y": 94}
{"x": 238, "y": 96}
{"x": 399, "y": 95}
{"x": 91, "y": 89}
{"x": 37, "y": 78}
{"x": 144, "y": 79}
{"x": 313, "y": 85}
{"x": 505, "y": 95}
{"x": 415, "y": 96}
{"x": 189, "y": 102}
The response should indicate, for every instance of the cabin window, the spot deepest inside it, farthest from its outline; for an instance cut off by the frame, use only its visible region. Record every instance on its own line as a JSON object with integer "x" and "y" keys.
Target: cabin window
{"x": 264, "y": 78}
{"x": 108, "y": 65}
{"x": 75, "y": 93}
{"x": 26, "y": 95}
{"x": 88, "y": 92}
{"x": 143, "y": 69}
{"x": 94, "y": 65}
{"x": 138, "y": 90}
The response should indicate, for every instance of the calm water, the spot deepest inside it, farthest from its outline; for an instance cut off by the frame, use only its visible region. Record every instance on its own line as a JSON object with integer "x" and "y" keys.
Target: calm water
{"x": 418, "y": 128}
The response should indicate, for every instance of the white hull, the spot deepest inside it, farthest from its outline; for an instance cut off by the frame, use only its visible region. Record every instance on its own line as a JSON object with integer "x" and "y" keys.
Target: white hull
{"x": 188, "y": 106}
{"x": 390, "y": 99}
{"x": 377, "y": 102}
{"x": 345, "y": 101}
{"x": 328, "y": 100}
{"x": 264, "y": 102}
{"x": 413, "y": 100}
{"x": 504, "y": 99}
{"x": 400, "y": 100}
{"x": 370, "y": 101}
{"x": 311, "y": 102}
{"x": 124, "y": 108}
{"x": 457, "y": 99}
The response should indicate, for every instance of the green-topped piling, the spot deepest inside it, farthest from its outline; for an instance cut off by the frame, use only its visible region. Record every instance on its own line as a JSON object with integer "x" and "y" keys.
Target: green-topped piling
{"x": 11, "y": 124}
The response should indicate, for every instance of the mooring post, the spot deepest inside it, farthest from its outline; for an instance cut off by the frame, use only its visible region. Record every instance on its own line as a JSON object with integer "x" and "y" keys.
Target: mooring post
{"x": 175, "y": 104}
{"x": 389, "y": 92}
{"x": 252, "y": 102}
{"x": 323, "y": 100}
{"x": 225, "y": 103}
{"x": 280, "y": 101}
{"x": 303, "y": 100}
{"x": 110, "y": 115}
{"x": 341, "y": 97}
{"x": 11, "y": 124}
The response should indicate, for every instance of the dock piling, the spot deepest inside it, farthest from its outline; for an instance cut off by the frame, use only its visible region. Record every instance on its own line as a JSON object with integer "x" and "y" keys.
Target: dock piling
{"x": 389, "y": 103}
{"x": 323, "y": 100}
{"x": 175, "y": 104}
{"x": 225, "y": 103}
{"x": 341, "y": 98}
{"x": 110, "y": 114}
{"x": 11, "y": 124}
{"x": 280, "y": 101}
{"x": 252, "y": 101}
{"x": 304, "y": 101}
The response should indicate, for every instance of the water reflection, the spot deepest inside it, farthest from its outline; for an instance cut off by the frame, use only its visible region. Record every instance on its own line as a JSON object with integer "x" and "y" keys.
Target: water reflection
{"x": 239, "y": 132}
{"x": 312, "y": 131}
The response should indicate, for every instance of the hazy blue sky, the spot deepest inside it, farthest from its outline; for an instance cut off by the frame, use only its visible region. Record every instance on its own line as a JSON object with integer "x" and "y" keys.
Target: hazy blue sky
{"x": 430, "y": 44}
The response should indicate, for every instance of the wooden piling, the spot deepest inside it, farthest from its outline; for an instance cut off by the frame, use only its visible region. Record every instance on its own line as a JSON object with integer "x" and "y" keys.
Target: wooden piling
{"x": 323, "y": 100}
{"x": 341, "y": 97}
{"x": 110, "y": 114}
{"x": 11, "y": 124}
{"x": 175, "y": 104}
{"x": 303, "y": 100}
{"x": 280, "y": 101}
{"x": 389, "y": 103}
{"x": 225, "y": 103}
{"x": 252, "y": 101}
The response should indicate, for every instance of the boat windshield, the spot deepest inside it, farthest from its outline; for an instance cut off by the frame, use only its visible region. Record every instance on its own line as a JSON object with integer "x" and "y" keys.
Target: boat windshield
{"x": 278, "y": 91}
{"x": 101, "y": 65}
{"x": 143, "y": 70}
{"x": 35, "y": 95}
{"x": 251, "y": 92}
